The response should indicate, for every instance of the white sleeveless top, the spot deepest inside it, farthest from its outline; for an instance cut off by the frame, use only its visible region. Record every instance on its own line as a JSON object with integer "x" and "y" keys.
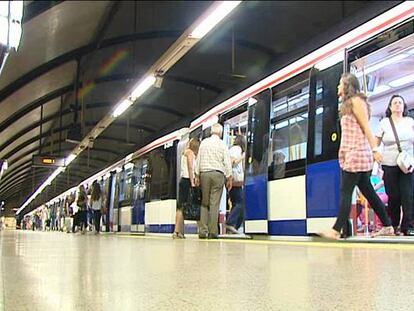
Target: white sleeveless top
{"x": 184, "y": 167}
{"x": 96, "y": 205}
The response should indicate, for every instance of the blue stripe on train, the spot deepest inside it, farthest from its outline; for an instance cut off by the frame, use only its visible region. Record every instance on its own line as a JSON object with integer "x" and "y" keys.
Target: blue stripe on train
{"x": 287, "y": 227}
{"x": 322, "y": 189}
{"x": 256, "y": 197}
{"x": 160, "y": 228}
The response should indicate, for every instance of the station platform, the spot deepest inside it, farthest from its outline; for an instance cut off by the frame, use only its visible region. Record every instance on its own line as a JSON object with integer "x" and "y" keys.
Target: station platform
{"x": 60, "y": 271}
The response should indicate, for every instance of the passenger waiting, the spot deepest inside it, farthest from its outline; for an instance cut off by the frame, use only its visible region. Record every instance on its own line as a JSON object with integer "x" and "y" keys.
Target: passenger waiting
{"x": 186, "y": 185}
{"x": 237, "y": 155}
{"x": 96, "y": 205}
{"x": 82, "y": 203}
{"x": 357, "y": 149}
{"x": 398, "y": 185}
{"x": 213, "y": 171}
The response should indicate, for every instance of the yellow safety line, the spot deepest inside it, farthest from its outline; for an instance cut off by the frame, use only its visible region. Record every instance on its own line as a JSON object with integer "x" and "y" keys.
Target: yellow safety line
{"x": 359, "y": 245}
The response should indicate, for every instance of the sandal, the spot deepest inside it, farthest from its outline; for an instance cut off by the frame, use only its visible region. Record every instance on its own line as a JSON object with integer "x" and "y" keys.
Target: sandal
{"x": 385, "y": 231}
{"x": 330, "y": 234}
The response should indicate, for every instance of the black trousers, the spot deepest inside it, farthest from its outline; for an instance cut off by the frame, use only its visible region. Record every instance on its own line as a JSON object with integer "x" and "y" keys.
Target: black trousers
{"x": 97, "y": 220}
{"x": 348, "y": 183}
{"x": 399, "y": 188}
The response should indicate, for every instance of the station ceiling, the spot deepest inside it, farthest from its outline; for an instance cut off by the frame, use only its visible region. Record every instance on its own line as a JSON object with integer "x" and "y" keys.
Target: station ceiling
{"x": 101, "y": 49}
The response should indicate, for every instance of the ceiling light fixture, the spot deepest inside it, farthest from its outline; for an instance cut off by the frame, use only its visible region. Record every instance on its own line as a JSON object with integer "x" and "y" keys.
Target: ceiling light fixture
{"x": 382, "y": 64}
{"x": 402, "y": 81}
{"x": 220, "y": 12}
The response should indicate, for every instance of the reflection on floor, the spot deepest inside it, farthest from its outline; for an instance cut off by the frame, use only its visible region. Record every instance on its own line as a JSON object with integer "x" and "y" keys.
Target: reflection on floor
{"x": 58, "y": 271}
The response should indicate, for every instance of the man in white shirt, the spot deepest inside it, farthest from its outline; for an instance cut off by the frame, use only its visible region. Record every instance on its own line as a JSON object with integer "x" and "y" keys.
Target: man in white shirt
{"x": 213, "y": 170}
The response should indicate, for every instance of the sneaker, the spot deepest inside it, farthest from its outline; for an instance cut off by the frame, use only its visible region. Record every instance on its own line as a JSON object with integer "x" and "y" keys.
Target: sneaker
{"x": 232, "y": 229}
{"x": 385, "y": 231}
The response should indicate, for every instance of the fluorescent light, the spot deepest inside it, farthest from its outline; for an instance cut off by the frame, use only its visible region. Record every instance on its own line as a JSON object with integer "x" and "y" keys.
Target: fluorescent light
{"x": 120, "y": 109}
{"x": 402, "y": 81}
{"x": 69, "y": 159}
{"x": 280, "y": 107}
{"x": 4, "y": 29}
{"x": 319, "y": 110}
{"x": 382, "y": 64}
{"x": 220, "y": 12}
{"x": 47, "y": 182}
{"x": 142, "y": 87}
{"x": 15, "y": 34}
{"x": 380, "y": 89}
{"x": 330, "y": 61}
{"x": 16, "y": 10}
{"x": 129, "y": 166}
{"x": 281, "y": 125}
{"x": 4, "y": 8}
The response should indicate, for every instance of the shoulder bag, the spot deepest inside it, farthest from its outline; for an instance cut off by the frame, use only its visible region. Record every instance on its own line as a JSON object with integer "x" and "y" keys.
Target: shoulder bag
{"x": 405, "y": 161}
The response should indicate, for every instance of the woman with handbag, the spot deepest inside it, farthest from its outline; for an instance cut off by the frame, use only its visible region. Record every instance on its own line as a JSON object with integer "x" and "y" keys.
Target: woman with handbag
{"x": 186, "y": 185}
{"x": 396, "y": 132}
{"x": 237, "y": 154}
{"x": 356, "y": 152}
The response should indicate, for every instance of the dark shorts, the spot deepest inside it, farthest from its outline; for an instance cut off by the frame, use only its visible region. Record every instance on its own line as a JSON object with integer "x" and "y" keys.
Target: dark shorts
{"x": 183, "y": 192}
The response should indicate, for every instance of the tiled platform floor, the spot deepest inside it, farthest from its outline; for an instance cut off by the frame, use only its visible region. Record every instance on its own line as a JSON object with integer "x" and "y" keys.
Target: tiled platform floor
{"x": 59, "y": 271}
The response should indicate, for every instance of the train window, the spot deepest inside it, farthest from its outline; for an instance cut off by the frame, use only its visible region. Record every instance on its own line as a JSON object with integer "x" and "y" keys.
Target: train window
{"x": 258, "y": 134}
{"x": 161, "y": 177}
{"x": 386, "y": 72}
{"x": 126, "y": 184}
{"x": 289, "y": 130}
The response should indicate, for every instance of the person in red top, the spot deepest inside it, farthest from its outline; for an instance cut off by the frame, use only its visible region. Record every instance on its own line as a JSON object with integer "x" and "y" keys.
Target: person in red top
{"x": 357, "y": 151}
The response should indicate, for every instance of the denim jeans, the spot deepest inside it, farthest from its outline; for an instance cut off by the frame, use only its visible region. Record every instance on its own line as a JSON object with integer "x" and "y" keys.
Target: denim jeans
{"x": 236, "y": 216}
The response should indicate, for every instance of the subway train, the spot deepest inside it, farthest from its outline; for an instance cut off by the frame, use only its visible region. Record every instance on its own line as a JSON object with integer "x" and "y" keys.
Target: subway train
{"x": 291, "y": 123}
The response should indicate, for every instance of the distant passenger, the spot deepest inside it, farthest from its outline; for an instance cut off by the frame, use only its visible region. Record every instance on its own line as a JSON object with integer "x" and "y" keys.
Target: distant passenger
{"x": 96, "y": 205}
{"x": 398, "y": 186}
{"x": 237, "y": 156}
{"x": 213, "y": 170}
{"x": 187, "y": 184}
{"x": 82, "y": 202}
{"x": 356, "y": 152}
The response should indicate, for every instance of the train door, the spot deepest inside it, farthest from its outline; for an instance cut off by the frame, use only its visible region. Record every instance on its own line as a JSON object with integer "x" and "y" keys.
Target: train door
{"x": 287, "y": 156}
{"x": 384, "y": 66}
{"x": 234, "y": 124}
{"x": 116, "y": 179}
{"x": 322, "y": 170}
{"x": 138, "y": 196}
{"x": 256, "y": 175}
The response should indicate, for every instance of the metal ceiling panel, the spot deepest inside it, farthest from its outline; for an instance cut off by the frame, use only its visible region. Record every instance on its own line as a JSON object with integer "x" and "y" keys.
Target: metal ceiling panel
{"x": 64, "y": 27}
{"x": 43, "y": 85}
{"x": 33, "y": 117}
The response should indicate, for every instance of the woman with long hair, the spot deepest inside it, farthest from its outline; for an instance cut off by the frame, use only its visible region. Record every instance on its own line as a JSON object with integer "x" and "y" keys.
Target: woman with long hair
{"x": 237, "y": 155}
{"x": 82, "y": 203}
{"x": 187, "y": 181}
{"x": 96, "y": 205}
{"x": 357, "y": 151}
{"x": 398, "y": 185}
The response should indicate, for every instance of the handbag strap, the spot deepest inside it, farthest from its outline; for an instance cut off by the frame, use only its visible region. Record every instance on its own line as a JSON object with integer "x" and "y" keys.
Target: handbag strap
{"x": 397, "y": 140}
